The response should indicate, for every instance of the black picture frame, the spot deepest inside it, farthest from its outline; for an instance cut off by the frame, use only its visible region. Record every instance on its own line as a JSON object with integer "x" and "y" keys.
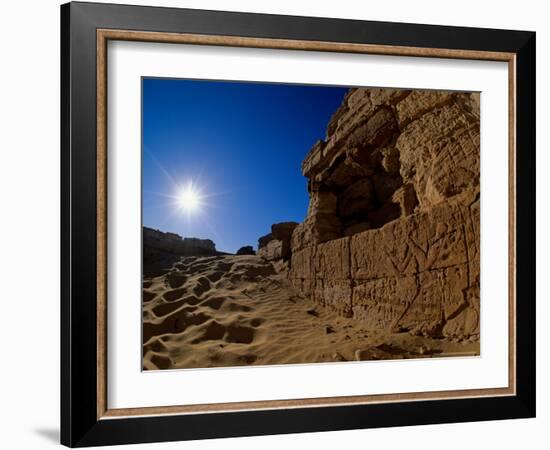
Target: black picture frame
{"x": 80, "y": 425}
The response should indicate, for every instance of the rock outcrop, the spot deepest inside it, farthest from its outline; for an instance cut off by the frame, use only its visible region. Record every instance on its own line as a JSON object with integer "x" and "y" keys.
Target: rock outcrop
{"x": 277, "y": 244}
{"x": 246, "y": 250}
{"x": 161, "y": 250}
{"x": 392, "y": 230}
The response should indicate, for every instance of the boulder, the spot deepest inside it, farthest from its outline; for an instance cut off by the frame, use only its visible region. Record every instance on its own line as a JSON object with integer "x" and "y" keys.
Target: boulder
{"x": 246, "y": 250}
{"x": 273, "y": 250}
{"x": 277, "y": 244}
{"x": 283, "y": 231}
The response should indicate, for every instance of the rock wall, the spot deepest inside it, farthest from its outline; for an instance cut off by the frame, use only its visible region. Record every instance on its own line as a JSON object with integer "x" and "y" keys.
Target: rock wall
{"x": 391, "y": 235}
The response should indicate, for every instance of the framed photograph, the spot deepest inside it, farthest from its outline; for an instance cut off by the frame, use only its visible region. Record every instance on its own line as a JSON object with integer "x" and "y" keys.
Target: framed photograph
{"x": 276, "y": 224}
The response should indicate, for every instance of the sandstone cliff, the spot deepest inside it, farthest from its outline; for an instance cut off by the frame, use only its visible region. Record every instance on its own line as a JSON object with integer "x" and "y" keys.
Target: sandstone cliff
{"x": 391, "y": 235}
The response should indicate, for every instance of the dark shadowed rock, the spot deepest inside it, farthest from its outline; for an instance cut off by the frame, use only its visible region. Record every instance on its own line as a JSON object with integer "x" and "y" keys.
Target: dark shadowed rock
{"x": 283, "y": 231}
{"x": 161, "y": 250}
{"x": 246, "y": 250}
{"x": 277, "y": 244}
{"x": 357, "y": 199}
{"x": 264, "y": 240}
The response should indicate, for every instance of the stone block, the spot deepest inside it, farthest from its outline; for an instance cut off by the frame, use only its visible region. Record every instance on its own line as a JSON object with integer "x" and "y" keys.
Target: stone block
{"x": 335, "y": 295}
{"x": 302, "y": 263}
{"x": 419, "y": 103}
{"x": 380, "y": 303}
{"x": 332, "y": 260}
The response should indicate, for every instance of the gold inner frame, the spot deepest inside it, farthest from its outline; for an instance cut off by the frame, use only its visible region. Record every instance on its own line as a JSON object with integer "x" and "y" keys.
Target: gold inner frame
{"x": 103, "y": 36}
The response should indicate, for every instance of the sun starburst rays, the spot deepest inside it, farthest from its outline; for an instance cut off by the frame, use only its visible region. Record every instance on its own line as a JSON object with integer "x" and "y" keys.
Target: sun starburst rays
{"x": 192, "y": 199}
{"x": 189, "y": 199}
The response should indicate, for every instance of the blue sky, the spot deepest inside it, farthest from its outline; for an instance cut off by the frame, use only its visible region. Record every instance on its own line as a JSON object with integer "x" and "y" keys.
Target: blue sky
{"x": 240, "y": 144}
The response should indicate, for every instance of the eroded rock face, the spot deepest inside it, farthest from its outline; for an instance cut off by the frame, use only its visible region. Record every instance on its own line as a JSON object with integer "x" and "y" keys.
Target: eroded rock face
{"x": 439, "y": 154}
{"x": 155, "y": 239}
{"x": 277, "y": 244}
{"x": 392, "y": 230}
{"x": 161, "y": 250}
{"x": 416, "y": 273}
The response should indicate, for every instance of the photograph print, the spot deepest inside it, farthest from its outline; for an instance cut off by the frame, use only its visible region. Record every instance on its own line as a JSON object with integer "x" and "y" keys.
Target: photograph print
{"x": 300, "y": 224}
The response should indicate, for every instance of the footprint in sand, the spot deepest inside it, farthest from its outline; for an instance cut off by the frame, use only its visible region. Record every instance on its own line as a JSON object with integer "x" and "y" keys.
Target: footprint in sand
{"x": 174, "y": 323}
{"x": 148, "y": 296}
{"x": 176, "y": 279}
{"x": 256, "y": 322}
{"x": 214, "y": 276}
{"x": 202, "y": 285}
{"x": 233, "y": 333}
{"x": 167, "y": 308}
{"x": 161, "y": 361}
{"x": 247, "y": 359}
{"x": 223, "y": 267}
{"x": 213, "y": 331}
{"x": 240, "y": 334}
{"x": 174, "y": 294}
{"x": 156, "y": 346}
{"x": 239, "y": 308}
{"x": 214, "y": 303}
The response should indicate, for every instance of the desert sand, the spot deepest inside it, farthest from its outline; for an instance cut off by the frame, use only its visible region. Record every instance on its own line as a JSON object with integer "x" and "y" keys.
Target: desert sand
{"x": 234, "y": 310}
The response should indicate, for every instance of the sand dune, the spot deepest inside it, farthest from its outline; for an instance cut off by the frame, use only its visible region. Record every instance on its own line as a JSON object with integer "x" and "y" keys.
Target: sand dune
{"x": 237, "y": 310}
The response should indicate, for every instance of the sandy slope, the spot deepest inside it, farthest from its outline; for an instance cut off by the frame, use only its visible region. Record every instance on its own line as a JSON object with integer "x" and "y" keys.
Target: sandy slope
{"x": 236, "y": 310}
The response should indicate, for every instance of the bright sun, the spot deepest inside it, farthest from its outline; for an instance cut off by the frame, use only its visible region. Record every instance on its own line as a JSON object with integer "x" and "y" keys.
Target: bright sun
{"x": 189, "y": 199}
